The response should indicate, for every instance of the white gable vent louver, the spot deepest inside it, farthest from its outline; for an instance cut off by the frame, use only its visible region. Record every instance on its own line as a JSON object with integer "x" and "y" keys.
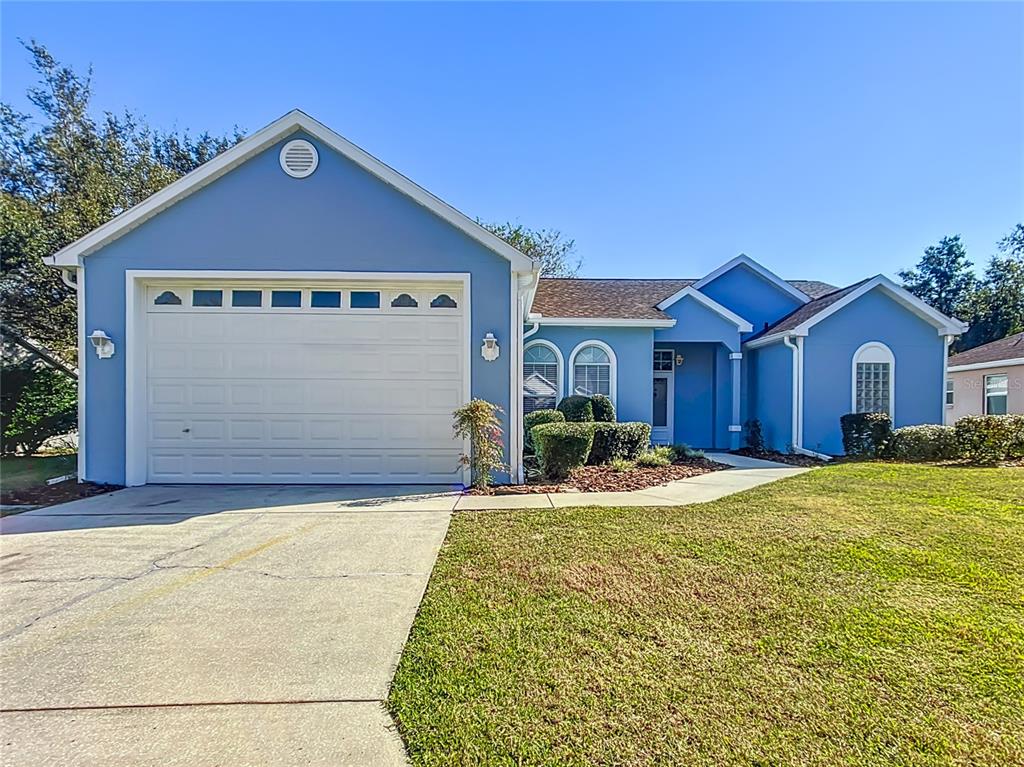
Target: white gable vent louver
{"x": 299, "y": 158}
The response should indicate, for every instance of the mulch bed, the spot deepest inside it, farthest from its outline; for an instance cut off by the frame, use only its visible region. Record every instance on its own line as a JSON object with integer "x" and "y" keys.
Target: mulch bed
{"x": 49, "y": 495}
{"x": 793, "y": 459}
{"x": 604, "y": 479}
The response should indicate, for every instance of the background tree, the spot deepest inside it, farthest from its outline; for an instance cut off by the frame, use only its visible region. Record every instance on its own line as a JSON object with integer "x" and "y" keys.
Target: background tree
{"x": 996, "y": 309}
{"x": 943, "y": 277}
{"x": 556, "y": 255}
{"x": 62, "y": 174}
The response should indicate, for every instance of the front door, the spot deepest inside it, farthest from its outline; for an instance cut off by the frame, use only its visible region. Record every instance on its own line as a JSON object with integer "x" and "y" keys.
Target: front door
{"x": 661, "y": 423}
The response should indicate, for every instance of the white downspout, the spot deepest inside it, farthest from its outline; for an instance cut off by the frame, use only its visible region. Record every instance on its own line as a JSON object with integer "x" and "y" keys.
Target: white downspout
{"x": 798, "y": 398}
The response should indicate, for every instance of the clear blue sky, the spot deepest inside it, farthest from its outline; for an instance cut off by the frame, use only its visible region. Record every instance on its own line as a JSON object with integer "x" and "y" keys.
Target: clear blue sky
{"x": 828, "y": 141}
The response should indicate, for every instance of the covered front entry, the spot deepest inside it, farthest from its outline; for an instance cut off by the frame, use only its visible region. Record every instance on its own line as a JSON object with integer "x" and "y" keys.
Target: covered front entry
{"x": 695, "y": 385}
{"x": 272, "y": 381}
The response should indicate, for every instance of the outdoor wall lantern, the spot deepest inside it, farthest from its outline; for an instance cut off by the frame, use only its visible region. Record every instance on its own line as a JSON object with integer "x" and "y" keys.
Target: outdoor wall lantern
{"x": 104, "y": 346}
{"x": 489, "y": 351}
{"x": 679, "y": 360}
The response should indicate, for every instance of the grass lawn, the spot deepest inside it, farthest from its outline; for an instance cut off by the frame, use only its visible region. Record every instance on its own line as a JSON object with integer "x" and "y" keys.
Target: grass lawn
{"x": 17, "y": 472}
{"x": 860, "y": 614}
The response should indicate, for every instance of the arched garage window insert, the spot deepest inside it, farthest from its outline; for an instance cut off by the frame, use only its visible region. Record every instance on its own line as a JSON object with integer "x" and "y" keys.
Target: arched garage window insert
{"x": 874, "y": 379}
{"x": 542, "y": 376}
{"x": 592, "y": 370}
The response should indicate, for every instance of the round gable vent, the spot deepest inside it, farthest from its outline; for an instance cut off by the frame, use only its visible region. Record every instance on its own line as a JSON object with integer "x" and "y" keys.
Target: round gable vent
{"x": 299, "y": 158}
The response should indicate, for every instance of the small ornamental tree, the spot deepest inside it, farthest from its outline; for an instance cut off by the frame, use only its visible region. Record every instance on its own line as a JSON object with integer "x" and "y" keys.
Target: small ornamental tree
{"x": 478, "y": 422}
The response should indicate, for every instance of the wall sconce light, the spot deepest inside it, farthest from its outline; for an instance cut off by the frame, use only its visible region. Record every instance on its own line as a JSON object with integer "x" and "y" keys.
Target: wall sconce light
{"x": 679, "y": 360}
{"x": 103, "y": 344}
{"x": 489, "y": 351}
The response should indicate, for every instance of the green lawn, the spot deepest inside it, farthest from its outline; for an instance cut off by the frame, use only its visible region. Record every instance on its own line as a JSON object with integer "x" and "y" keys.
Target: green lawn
{"x": 860, "y": 614}
{"x": 17, "y": 472}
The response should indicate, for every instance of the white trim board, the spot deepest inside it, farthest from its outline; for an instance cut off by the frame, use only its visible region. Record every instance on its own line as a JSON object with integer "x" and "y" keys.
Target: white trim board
{"x": 136, "y": 281}
{"x": 259, "y": 141}
{"x": 764, "y": 273}
{"x": 691, "y": 291}
{"x": 984, "y": 365}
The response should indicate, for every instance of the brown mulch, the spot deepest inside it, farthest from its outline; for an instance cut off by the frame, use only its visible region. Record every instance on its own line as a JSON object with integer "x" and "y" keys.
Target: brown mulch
{"x": 793, "y": 459}
{"x": 49, "y": 495}
{"x": 602, "y": 479}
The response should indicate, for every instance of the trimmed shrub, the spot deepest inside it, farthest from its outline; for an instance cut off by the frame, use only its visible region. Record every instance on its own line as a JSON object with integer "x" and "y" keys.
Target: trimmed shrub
{"x": 603, "y": 408}
{"x": 618, "y": 440}
{"x": 755, "y": 436}
{"x": 562, "y": 447}
{"x": 929, "y": 442}
{"x": 865, "y": 435}
{"x": 536, "y": 418}
{"x": 685, "y": 451}
{"x": 577, "y": 409}
{"x": 661, "y": 455}
{"x": 990, "y": 438}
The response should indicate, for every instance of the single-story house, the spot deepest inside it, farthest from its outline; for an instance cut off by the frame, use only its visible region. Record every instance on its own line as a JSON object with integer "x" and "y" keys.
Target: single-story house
{"x": 986, "y": 380}
{"x": 295, "y": 310}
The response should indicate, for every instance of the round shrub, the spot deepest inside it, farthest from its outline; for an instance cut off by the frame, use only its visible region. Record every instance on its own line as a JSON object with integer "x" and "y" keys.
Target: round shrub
{"x": 536, "y": 418}
{"x": 619, "y": 440}
{"x": 929, "y": 442}
{"x": 865, "y": 435}
{"x": 990, "y": 438}
{"x": 576, "y": 408}
{"x": 603, "y": 408}
{"x": 562, "y": 447}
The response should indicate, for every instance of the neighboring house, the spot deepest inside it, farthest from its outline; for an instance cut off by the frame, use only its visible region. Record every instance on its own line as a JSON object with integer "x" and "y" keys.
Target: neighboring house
{"x": 296, "y": 311}
{"x": 986, "y": 380}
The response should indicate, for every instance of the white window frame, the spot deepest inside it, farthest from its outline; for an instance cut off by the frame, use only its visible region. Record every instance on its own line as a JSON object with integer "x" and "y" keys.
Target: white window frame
{"x": 984, "y": 391}
{"x": 559, "y": 362}
{"x": 950, "y": 398}
{"x": 613, "y": 368}
{"x": 874, "y": 351}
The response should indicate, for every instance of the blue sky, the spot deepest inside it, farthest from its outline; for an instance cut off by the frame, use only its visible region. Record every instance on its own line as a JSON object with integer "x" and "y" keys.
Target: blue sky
{"x": 829, "y": 141}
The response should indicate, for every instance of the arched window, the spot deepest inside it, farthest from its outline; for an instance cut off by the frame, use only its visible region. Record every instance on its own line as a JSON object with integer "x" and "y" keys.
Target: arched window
{"x": 874, "y": 379}
{"x": 542, "y": 376}
{"x": 593, "y": 369}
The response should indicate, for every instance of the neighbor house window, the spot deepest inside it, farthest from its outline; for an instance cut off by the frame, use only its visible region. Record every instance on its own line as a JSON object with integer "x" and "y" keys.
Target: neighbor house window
{"x": 542, "y": 374}
{"x": 949, "y": 392}
{"x": 873, "y": 379}
{"x": 592, "y": 372}
{"x": 997, "y": 389}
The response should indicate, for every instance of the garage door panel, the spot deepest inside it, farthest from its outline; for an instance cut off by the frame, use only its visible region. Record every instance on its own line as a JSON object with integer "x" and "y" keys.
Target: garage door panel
{"x": 268, "y": 394}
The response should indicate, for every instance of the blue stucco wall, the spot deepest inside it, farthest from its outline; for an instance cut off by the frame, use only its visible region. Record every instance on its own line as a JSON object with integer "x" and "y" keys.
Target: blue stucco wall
{"x": 634, "y": 353}
{"x": 828, "y": 359}
{"x": 257, "y": 218}
{"x": 695, "y": 322}
{"x": 770, "y": 393}
{"x": 750, "y": 296}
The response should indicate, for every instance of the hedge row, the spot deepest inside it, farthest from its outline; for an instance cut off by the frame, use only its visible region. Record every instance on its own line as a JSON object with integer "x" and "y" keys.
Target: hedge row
{"x": 980, "y": 438}
{"x": 562, "y": 447}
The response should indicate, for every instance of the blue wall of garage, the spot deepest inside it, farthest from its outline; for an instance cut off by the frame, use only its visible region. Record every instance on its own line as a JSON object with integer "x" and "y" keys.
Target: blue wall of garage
{"x": 257, "y": 218}
{"x": 634, "y": 352}
{"x": 828, "y": 363}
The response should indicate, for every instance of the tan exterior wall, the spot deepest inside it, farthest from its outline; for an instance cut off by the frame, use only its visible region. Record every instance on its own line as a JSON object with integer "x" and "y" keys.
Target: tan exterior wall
{"x": 969, "y": 391}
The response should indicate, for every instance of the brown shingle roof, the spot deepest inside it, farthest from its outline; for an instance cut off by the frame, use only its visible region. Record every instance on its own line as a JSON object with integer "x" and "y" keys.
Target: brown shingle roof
{"x": 585, "y": 298}
{"x": 1009, "y": 348}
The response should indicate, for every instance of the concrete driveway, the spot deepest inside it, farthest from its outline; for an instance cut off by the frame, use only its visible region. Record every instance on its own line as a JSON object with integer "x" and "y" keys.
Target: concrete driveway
{"x": 211, "y": 626}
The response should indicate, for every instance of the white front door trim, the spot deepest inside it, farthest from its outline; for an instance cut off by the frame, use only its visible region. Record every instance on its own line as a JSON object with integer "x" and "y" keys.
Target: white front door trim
{"x": 664, "y": 435}
{"x": 136, "y": 281}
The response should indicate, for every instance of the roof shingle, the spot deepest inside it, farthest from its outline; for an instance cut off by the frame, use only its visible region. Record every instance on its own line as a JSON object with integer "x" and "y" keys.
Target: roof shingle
{"x": 1009, "y": 348}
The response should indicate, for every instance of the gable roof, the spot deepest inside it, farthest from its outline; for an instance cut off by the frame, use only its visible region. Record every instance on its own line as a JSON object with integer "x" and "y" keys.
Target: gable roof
{"x": 259, "y": 141}
{"x": 803, "y": 318}
{"x": 587, "y": 298}
{"x": 766, "y": 274}
{"x": 1008, "y": 350}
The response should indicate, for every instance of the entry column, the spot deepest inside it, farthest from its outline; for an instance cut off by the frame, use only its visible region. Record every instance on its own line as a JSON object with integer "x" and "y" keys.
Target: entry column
{"x": 735, "y": 428}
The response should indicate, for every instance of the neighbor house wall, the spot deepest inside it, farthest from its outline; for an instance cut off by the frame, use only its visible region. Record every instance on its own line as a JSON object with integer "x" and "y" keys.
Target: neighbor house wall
{"x": 256, "y": 217}
{"x": 969, "y": 391}
{"x": 634, "y": 353}
{"x": 828, "y": 364}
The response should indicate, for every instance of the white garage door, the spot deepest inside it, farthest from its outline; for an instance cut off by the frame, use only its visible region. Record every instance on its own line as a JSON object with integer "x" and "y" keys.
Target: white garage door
{"x": 312, "y": 383}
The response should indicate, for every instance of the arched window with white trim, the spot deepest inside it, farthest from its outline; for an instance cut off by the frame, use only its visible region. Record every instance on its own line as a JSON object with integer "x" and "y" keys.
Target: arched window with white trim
{"x": 592, "y": 366}
{"x": 542, "y": 376}
{"x": 874, "y": 379}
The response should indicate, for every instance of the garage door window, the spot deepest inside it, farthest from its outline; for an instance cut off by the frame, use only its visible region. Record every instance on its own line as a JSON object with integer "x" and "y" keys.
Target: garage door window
{"x": 247, "y": 298}
{"x": 444, "y": 301}
{"x": 286, "y": 299}
{"x": 167, "y": 298}
{"x": 325, "y": 299}
{"x": 207, "y": 297}
{"x": 364, "y": 299}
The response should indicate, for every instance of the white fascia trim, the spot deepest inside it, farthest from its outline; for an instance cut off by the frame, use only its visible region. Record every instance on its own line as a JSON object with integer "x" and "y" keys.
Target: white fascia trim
{"x": 613, "y": 372}
{"x": 986, "y": 365}
{"x": 292, "y": 122}
{"x": 691, "y": 291}
{"x": 745, "y": 260}
{"x": 597, "y": 322}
